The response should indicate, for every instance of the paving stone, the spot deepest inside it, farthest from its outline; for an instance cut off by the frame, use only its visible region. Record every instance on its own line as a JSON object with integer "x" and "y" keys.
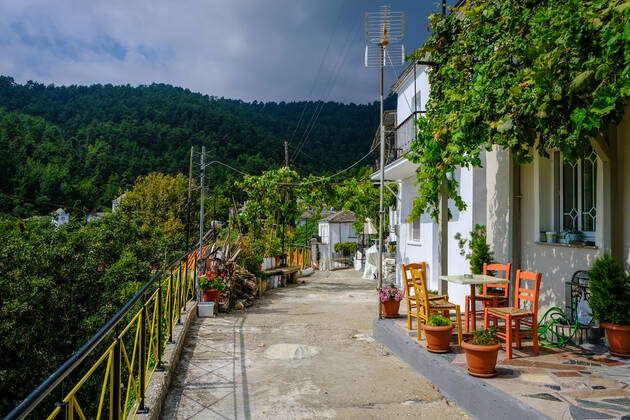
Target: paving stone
{"x": 567, "y": 374}
{"x": 544, "y": 396}
{"x": 605, "y": 406}
{"x": 580, "y": 362}
{"x": 580, "y": 413}
{"x": 621, "y": 401}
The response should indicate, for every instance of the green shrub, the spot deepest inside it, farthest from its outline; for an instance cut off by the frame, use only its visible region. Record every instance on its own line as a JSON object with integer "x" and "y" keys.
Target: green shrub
{"x": 610, "y": 291}
{"x": 480, "y": 252}
{"x": 487, "y": 337}
{"x": 439, "y": 321}
{"x": 346, "y": 248}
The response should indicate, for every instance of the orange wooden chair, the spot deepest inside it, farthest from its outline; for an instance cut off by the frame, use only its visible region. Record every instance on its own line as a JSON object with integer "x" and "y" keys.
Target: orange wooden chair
{"x": 408, "y": 271}
{"x": 522, "y": 314}
{"x": 489, "y": 298}
{"x": 425, "y": 306}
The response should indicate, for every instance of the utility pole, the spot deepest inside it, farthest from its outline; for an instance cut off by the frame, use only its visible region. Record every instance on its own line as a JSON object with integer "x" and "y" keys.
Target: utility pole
{"x": 202, "y": 184}
{"x": 190, "y": 165}
{"x": 384, "y": 31}
{"x": 381, "y": 212}
{"x": 286, "y": 154}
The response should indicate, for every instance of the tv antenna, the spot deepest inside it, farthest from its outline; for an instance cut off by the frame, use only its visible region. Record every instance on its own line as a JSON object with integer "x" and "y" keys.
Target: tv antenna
{"x": 384, "y": 33}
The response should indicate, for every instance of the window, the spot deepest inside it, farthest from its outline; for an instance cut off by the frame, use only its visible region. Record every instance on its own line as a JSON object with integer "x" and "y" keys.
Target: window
{"x": 351, "y": 232}
{"x": 578, "y": 195}
{"x": 414, "y": 233}
{"x": 323, "y": 232}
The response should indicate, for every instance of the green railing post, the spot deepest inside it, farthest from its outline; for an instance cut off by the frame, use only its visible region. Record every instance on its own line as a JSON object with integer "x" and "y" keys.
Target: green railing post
{"x": 180, "y": 297}
{"x": 170, "y": 299}
{"x": 116, "y": 379}
{"x": 143, "y": 357}
{"x": 159, "y": 309}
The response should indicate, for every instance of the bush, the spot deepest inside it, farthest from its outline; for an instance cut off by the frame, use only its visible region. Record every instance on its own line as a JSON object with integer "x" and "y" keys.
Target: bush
{"x": 439, "y": 321}
{"x": 610, "y": 291}
{"x": 212, "y": 281}
{"x": 487, "y": 337}
{"x": 346, "y": 248}
{"x": 479, "y": 249}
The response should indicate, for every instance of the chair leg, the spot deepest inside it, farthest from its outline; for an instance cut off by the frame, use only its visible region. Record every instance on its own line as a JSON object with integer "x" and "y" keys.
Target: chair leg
{"x": 466, "y": 312}
{"x": 458, "y": 316}
{"x": 508, "y": 336}
{"x": 535, "y": 336}
{"x": 485, "y": 318}
{"x": 409, "y": 323}
{"x": 419, "y": 329}
{"x": 517, "y": 333}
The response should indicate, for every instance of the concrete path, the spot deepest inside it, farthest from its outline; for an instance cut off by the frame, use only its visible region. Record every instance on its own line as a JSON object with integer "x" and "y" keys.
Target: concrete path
{"x": 302, "y": 352}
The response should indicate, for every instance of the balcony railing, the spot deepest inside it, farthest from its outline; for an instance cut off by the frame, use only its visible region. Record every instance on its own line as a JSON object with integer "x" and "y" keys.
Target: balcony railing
{"x": 398, "y": 141}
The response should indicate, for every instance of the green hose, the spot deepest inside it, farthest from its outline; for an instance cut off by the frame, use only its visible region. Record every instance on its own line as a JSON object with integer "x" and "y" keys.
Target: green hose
{"x": 548, "y": 336}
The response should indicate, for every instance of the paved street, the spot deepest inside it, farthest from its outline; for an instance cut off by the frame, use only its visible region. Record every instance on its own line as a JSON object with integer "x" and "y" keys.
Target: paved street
{"x": 303, "y": 352}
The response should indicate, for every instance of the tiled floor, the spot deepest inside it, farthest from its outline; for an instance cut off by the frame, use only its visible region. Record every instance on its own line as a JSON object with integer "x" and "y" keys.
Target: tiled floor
{"x": 568, "y": 383}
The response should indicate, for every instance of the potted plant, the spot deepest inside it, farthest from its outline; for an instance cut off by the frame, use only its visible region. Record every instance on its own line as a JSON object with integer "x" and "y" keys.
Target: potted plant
{"x": 212, "y": 284}
{"x": 574, "y": 235}
{"x": 481, "y": 352}
{"x": 438, "y": 330}
{"x": 390, "y": 297}
{"x": 610, "y": 303}
{"x": 552, "y": 237}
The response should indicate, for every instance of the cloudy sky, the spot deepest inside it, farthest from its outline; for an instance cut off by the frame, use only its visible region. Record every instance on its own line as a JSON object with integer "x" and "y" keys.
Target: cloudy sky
{"x": 248, "y": 49}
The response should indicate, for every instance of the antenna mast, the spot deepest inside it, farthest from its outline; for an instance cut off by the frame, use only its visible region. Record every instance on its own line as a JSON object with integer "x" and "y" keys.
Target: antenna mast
{"x": 384, "y": 32}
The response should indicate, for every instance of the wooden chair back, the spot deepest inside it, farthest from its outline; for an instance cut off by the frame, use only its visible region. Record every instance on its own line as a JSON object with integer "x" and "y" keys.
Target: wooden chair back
{"x": 506, "y": 269}
{"x": 421, "y": 293}
{"x": 523, "y": 295}
{"x": 407, "y": 276}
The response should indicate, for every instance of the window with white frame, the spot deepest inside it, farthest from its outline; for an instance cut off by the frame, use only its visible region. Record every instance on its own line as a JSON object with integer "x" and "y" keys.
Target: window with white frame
{"x": 351, "y": 232}
{"x": 324, "y": 232}
{"x": 414, "y": 232}
{"x": 578, "y": 195}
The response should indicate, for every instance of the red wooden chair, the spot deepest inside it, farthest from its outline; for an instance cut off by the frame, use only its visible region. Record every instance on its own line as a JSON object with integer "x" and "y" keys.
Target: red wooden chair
{"x": 521, "y": 314}
{"x": 489, "y": 298}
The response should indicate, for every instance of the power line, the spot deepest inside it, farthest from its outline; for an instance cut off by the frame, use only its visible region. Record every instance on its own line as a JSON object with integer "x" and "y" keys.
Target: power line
{"x": 321, "y": 65}
{"x": 46, "y": 203}
{"x": 331, "y": 81}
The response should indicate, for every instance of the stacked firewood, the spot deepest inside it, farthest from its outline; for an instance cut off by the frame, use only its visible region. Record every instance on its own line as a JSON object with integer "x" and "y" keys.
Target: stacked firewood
{"x": 241, "y": 286}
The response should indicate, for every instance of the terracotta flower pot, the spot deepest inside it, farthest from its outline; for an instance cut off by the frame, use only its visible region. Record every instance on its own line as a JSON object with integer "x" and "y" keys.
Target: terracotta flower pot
{"x": 212, "y": 295}
{"x": 390, "y": 308}
{"x": 481, "y": 359}
{"x": 438, "y": 338}
{"x": 618, "y": 339}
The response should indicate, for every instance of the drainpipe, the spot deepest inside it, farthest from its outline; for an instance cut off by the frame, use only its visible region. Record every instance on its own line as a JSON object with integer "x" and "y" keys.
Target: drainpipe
{"x": 516, "y": 220}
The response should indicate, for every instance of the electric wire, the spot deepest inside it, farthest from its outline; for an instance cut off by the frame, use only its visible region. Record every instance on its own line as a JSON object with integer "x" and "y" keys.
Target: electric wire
{"x": 331, "y": 82}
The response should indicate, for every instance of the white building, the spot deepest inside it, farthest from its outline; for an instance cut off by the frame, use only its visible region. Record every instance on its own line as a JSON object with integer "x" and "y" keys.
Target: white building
{"x": 548, "y": 195}
{"x": 335, "y": 228}
{"x": 60, "y": 217}
{"x": 516, "y": 203}
{"x": 417, "y": 240}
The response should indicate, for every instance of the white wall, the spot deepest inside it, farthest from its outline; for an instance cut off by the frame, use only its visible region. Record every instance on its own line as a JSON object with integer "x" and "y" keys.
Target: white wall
{"x": 410, "y": 251}
{"x": 405, "y": 104}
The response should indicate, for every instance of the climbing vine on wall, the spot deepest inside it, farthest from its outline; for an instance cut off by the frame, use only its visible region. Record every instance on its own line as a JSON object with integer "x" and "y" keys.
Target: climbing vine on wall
{"x": 526, "y": 75}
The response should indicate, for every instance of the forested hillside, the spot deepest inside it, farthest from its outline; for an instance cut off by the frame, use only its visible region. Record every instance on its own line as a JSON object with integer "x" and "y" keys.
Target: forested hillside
{"x": 82, "y": 145}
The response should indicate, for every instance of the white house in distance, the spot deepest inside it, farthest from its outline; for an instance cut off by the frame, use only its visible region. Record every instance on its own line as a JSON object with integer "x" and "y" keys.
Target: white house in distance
{"x": 332, "y": 229}
{"x": 416, "y": 240}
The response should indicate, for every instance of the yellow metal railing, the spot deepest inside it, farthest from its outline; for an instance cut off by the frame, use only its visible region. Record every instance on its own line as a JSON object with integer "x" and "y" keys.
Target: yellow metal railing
{"x": 123, "y": 371}
{"x": 299, "y": 257}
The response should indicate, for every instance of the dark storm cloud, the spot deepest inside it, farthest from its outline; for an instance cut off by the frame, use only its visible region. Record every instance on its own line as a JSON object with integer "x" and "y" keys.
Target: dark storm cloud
{"x": 247, "y": 49}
